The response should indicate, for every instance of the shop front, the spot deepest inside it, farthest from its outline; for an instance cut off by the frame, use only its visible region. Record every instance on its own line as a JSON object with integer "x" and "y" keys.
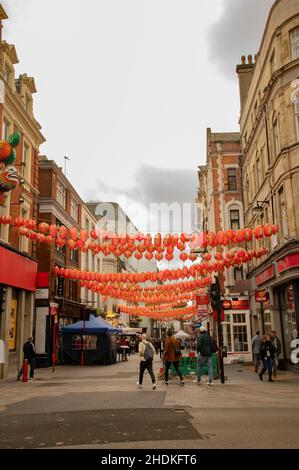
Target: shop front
{"x": 17, "y": 287}
{"x": 236, "y": 329}
{"x": 280, "y": 311}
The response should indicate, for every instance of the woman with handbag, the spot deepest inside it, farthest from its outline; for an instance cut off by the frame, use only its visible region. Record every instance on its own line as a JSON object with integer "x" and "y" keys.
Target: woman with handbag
{"x": 171, "y": 355}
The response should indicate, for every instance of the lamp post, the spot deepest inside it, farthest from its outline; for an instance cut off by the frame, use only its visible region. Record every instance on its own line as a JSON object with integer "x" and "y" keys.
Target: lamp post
{"x": 216, "y": 305}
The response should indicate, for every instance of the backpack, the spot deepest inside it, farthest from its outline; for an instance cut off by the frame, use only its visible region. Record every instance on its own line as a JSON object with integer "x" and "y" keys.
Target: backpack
{"x": 148, "y": 353}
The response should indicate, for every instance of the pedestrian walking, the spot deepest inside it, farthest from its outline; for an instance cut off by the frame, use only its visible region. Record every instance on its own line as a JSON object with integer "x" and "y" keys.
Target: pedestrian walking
{"x": 206, "y": 347}
{"x": 29, "y": 354}
{"x": 267, "y": 352}
{"x": 146, "y": 352}
{"x": 256, "y": 344}
{"x": 171, "y": 355}
{"x": 277, "y": 344}
{"x": 161, "y": 347}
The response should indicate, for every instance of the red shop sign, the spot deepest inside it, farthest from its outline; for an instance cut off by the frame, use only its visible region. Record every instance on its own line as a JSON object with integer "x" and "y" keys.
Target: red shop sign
{"x": 53, "y": 308}
{"x": 265, "y": 275}
{"x": 227, "y": 304}
{"x": 288, "y": 262}
{"x": 242, "y": 304}
{"x": 261, "y": 295}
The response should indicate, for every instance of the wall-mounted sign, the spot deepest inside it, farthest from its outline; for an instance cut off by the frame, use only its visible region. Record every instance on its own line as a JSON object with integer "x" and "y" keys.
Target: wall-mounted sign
{"x": 261, "y": 295}
{"x": 227, "y": 304}
{"x": 265, "y": 275}
{"x": 41, "y": 294}
{"x": 288, "y": 262}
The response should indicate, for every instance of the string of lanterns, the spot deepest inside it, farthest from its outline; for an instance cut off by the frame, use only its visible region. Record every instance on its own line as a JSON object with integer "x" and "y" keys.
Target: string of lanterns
{"x": 138, "y": 245}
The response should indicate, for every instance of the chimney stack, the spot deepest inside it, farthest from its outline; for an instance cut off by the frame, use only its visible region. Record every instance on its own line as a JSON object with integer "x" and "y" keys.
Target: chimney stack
{"x": 245, "y": 72}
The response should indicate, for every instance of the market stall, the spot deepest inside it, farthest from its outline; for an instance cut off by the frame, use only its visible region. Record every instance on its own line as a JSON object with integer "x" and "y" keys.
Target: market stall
{"x": 90, "y": 342}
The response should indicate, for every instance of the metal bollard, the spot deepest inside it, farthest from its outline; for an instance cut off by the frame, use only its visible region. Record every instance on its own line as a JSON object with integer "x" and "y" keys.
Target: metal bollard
{"x": 25, "y": 371}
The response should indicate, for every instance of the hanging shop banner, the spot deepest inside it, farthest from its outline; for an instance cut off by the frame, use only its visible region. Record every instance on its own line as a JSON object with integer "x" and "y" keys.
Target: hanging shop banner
{"x": 261, "y": 295}
{"x": 53, "y": 308}
{"x": 13, "y": 325}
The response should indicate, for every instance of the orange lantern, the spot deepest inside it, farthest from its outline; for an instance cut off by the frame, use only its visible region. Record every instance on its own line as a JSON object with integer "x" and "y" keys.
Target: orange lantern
{"x": 53, "y": 230}
{"x": 43, "y": 227}
{"x": 19, "y": 222}
{"x": 30, "y": 223}
{"x": 183, "y": 256}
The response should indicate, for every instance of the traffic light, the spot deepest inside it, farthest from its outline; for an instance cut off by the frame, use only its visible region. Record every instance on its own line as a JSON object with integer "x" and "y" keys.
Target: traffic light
{"x": 216, "y": 295}
{"x": 3, "y": 291}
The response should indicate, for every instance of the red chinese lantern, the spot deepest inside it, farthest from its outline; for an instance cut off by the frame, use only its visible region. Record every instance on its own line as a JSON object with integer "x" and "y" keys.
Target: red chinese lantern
{"x": 241, "y": 254}
{"x": 41, "y": 237}
{"x": 159, "y": 256}
{"x": 94, "y": 235}
{"x": 73, "y": 234}
{"x": 268, "y": 230}
{"x": 43, "y": 227}
{"x": 218, "y": 256}
{"x": 149, "y": 256}
{"x": 183, "y": 256}
{"x": 258, "y": 232}
{"x": 192, "y": 257}
{"x": 248, "y": 234}
{"x": 5, "y": 219}
{"x": 207, "y": 256}
{"x": 274, "y": 229}
{"x": 19, "y": 222}
{"x": 220, "y": 238}
{"x": 63, "y": 232}
{"x": 240, "y": 236}
{"x": 53, "y": 230}
{"x": 30, "y": 223}
{"x": 83, "y": 235}
{"x": 230, "y": 234}
{"x": 23, "y": 231}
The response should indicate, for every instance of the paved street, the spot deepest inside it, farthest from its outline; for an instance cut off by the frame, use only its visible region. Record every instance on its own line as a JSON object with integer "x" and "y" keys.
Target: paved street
{"x": 101, "y": 407}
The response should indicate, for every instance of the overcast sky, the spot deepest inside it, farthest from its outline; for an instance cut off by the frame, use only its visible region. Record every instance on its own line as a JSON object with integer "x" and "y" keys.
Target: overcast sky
{"x": 127, "y": 88}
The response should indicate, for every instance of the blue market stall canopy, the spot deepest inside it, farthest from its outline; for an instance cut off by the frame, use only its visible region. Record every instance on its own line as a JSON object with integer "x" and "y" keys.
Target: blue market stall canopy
{"x": 92, "y": 326}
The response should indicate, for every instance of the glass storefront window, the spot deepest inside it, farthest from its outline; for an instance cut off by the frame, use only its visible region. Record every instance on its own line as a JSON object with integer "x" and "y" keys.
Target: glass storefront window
{"x": 288, "y": 316}
{"x": 235, "y": 333}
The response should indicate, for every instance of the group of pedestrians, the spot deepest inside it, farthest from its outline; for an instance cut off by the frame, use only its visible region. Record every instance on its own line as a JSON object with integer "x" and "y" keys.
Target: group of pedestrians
{"x": 170, "y": 352}
{"x": 266, "y": 350}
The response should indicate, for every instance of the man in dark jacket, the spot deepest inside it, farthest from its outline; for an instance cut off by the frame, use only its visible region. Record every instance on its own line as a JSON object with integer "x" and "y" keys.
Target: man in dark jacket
{"x": 267, "y": 352}
{"x": 206, "y": 346}
{"x": 29, "y": 354}
{"x": 277, "y": 344}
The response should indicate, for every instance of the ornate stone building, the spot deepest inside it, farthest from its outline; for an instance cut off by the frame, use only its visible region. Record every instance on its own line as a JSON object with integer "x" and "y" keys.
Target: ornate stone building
{"x": 269, "y": 122}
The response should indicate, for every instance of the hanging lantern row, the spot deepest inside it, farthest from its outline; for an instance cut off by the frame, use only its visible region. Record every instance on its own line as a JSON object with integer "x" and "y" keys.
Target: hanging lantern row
{"x": 231, "y": 259}
{"x": 145, "y": 312}
{"x": 139, "y": 245}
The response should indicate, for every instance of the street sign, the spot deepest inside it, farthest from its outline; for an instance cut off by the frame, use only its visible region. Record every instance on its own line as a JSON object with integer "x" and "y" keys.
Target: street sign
{"x": 41, "y": 294}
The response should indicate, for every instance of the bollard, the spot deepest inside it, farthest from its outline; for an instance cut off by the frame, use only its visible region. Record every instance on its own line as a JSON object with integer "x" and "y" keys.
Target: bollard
{"x": 82, "y": 359}
{"x": 25, "y": 371}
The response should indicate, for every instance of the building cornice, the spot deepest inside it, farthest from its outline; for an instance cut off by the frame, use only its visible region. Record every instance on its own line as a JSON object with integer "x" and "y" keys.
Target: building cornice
{"x": 10, "y": 51}
{"x": 15, "y": 106}
{"x": 3, "y": 14}
{"x": 51, "y": 206}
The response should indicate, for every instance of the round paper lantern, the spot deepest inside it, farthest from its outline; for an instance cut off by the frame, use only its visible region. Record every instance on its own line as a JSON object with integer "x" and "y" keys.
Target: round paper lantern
{"x": 274, "y": 229}
{"x": 83, "y": 235}
{"x": 41, "y": 237}
{"x": 207, "y": 256}
{"x": 218, "y": 256}
{"x": 183, "y": 256}
{"x": 240, "y": 236}
{"x": 19, "y": 222}
{"x": 192, "y": 257}
{"x": 23, "y": 230}
{"x": 159, "y": 256}
{"x": 149, "y": 256}
{"x": 5, "y": 219}
{"x": 268, "y": 230}
{"x": 63, "y": 232}
{"x": 248, "y": 234}
{"x": 43, "y": 227}
{"x": 220, "y": 238}
{"x": 53, "y": 230}
{"x": 30, "y": 223}
{"x": 258, "y": 232}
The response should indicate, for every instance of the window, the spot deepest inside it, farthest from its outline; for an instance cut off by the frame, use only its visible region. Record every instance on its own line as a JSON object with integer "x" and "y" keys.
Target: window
{"x": 25, "y": 161}
{"x": 294, "y": 39}
{"x": 235, "y": 332}
{"x": 75, "y": 256}
{"x": 238, "y": 274}
{"x": 74, "y": 209}
{"x": 232, "y": 179}
{"x": 283, "y": 212}
{"x": 5, "y": 129}
{"x": 61, "y": 194}
{"x": 258, "y": 173}
{"x": 276, "y": 136}
{"x": 234, "y": 219}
